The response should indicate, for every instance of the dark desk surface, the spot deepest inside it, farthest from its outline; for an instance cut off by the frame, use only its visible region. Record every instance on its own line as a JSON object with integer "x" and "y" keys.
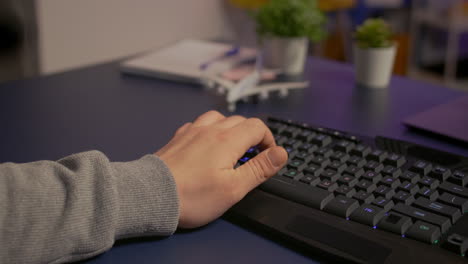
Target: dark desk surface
{"x": 126, "y": 117}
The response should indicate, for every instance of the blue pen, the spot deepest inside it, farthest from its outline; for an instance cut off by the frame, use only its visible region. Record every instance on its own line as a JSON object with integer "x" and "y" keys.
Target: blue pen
{"x": 232, "y": 52}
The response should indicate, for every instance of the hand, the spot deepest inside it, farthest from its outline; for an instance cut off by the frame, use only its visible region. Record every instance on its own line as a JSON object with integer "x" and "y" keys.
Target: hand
{"x": 202, "y": 155}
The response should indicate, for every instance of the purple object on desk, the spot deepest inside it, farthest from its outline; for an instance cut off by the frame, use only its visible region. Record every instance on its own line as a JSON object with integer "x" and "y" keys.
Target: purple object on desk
{"x": 450, "y": 119}
{"x": 231, "y": 52}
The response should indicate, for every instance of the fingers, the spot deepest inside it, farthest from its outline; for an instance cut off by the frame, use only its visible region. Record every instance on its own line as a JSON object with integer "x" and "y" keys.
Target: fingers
{"x": 260, "y": 168}
{"x": 208, "y": 118}
{"x": 183, "y": 128}
{"x": 231, "y": 121}
{"x": 252, "y": 132}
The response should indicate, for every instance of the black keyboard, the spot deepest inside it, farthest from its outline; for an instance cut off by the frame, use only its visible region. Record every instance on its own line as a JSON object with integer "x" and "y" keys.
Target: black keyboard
{"x": 408, "y": 191}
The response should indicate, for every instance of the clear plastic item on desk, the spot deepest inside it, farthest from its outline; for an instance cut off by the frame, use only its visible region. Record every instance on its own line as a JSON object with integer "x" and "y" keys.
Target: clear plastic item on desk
{"x": 250, "y": 79}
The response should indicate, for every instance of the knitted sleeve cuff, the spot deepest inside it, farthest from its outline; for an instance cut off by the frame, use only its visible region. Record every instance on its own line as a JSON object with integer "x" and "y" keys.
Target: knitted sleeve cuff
{"x": 148, "y": 204}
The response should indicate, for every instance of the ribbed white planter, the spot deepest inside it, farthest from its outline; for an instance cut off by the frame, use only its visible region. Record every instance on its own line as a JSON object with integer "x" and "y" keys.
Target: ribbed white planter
{"x": 287, "y": 54}
{"x": 374, "y": 66}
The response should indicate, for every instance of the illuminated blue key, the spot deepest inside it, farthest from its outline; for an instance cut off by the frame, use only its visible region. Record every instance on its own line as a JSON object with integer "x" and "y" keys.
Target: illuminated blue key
{"x": 244, "y": 160}
{"x": 368, "y": 214}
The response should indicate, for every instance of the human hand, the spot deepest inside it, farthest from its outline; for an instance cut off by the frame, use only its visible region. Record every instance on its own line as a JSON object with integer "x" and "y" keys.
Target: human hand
{"x": 202, "y": 156}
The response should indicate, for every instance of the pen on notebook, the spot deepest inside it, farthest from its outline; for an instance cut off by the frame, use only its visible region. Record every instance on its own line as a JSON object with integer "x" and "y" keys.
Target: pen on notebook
{"x": 231, "y": 52}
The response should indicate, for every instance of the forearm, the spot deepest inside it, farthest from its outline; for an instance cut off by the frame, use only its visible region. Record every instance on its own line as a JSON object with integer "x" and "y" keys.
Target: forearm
{"x": 78, "y": 206}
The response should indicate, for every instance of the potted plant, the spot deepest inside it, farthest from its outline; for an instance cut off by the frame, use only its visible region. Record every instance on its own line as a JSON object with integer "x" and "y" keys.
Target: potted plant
{"x": 285, "y": 28}
{"x": 374, "y": 53}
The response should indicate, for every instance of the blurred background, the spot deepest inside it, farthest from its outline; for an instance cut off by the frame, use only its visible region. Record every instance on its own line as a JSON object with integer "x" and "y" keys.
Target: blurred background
{"x": 39, "y": 37}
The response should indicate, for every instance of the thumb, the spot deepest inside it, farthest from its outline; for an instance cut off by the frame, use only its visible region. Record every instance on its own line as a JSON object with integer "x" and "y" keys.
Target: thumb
{"x": 261, "y": 167}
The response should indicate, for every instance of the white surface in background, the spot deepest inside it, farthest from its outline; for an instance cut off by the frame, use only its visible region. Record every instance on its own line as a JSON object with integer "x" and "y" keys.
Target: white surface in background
{"x": 76, "y": 33}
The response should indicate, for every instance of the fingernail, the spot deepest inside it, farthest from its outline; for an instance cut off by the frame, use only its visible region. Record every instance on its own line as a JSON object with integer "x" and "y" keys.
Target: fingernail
{"x": 276, "y": 156}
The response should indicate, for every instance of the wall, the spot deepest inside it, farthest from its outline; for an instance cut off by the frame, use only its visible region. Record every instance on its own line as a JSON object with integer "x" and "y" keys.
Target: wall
{"x": 76, "y": 33}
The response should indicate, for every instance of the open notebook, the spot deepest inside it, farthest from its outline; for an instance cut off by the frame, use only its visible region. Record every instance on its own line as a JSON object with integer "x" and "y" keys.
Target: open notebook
{"x": 182, "y": 60}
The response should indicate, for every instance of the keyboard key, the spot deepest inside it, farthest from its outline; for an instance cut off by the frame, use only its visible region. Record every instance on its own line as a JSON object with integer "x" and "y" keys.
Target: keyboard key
{"x": 364, "y": 197}
{"x": 293, "y": 143}
{"x": 456, "y": 243}
{"x": 291, "y": 152}
{"x": 373, "y": 166}
{"x": 454, "y": 189}
{"x": 390, "y": 182}
{"x": 383, "y": 203}
{"x": 324, "y": 152}
{"x": 458, "y": 178}
{"x": 372, "y": 176}
{"x": 290, "y": 132}
{"x": 251, "y": 152}
{"x": 280, "y": 139}
{"x": 438, "y": 208}
{"x": 310, "y": 180}
{"x": 377, "y": 155}
{"x": 320, "y": 130}
{"x": 313, "y": 170}
{"x": 344, "y": 146}
{"x": 421, "y": 167}
{"x": 305, "y": 135}
{"x": 304, "y": 156}
{"x": 395, "y": 160}
{"x": 367, "y": 214}
{"x": 409, "y": 187}
{"x": 424, "y": 232}
{"x": 327, "y": 185}
{"x": 440, "y": 173}
{"x": 455, "y": 201}
{"x": 337, "y": 166}
{"x": 429, "y": 182}
{"x": 456, "y": 236}
{"x": 354, "y": 171}
{"x": 395, "y": 223}
{"x": 320, "y": 161}
{"x": 430, "y": 194}
{"x": 384, "y": 191}
{"x": 276, "y": 128}
{"x": 360, "y": 150}
{"x": 339, "y": 156}
{"x": 296, "y": 164}
{"x": 356, "y": 161}
{"x": 345, "y": 191}
{"x": 341, "y": 206}
{"x": 243, "y": 160}
{"x": 403, "y": 197}
{"x": 423, "y": 215}
{"x": 321, "y": 140}
{"x": 293, "y": 174}
{"x": 410, "y": 177}
{"x": 297, "y": 192}
{"x": 366, "y": 186}
{"x": 348, "y": 180}
{"x": 336, "y": 134}
{"x": 330, "y": 175}
{"x": 307, "y": 147}
{"x": 391, "y": 171}
{"x": 352, "y": 138}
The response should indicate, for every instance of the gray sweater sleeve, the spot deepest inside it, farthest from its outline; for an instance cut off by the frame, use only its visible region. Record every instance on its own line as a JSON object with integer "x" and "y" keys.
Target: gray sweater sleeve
{"x": 76, "y": 207}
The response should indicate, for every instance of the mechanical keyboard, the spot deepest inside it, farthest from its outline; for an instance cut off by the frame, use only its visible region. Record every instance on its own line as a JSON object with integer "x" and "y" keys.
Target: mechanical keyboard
{"x": 363, "y": 189}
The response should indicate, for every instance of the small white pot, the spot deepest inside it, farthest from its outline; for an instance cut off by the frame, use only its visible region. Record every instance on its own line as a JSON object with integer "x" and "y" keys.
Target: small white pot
{"x": 286, "y": 54}
{"x": 374, "y": 66}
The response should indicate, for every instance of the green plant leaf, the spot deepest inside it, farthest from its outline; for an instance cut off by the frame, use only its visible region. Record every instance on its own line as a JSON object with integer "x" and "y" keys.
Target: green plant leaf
{"x": 291, "y": 18}
{"x": 373, "y": 33}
